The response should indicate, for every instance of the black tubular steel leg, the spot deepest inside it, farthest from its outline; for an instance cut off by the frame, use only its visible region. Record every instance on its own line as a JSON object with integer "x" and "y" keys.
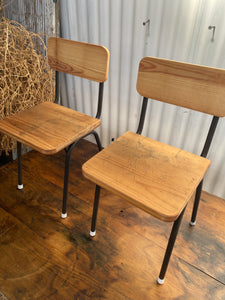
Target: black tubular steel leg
{"x": 204, "y": 153}
{"x": 66, "y": 174}
{"x": 169, "y": 249}
{"x": 196, "y": 203}
{"x": 97, "y": 140}
{"x": 19, "y": 164}
{"x": 66, "y": 179}
{"x": 95, "y": 210}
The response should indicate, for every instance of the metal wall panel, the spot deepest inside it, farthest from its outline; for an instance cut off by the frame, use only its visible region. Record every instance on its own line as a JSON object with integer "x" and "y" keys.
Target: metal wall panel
{"x": 177, "y": 29}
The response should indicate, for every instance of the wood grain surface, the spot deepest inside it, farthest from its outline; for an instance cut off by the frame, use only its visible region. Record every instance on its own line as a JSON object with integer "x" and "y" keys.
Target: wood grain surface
{"x": 77, "y": 58}
{"x": 158, "y": 178}
{"x": 48, "y": 127}
{"x": 45, "y": 257}
{"x": 192, "y": 86}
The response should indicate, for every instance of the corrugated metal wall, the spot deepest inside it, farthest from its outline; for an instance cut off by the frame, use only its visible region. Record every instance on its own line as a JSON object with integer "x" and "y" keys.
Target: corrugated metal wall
{"x": 177, "y": 29}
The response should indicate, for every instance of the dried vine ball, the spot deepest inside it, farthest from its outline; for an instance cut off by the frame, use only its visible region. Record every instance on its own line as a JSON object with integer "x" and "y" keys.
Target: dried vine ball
{"x": 25, "y": 76}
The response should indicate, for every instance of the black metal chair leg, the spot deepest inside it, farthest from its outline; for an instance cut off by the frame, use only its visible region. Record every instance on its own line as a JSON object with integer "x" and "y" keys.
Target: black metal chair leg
{"x": 19, "y": 164}
{"x": 169, "y": 248}
{"x": 66, "y": 180}
{"x": 66, "y": 174}
{"x": 196, "y": 204}
{"x": 97, "y": 140}
{"x": 95, "y": 210}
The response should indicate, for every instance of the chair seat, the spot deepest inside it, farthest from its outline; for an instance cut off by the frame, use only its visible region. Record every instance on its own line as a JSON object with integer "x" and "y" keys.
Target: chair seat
{"x": 158, "y": 178}
{"x": 48, "y": 127}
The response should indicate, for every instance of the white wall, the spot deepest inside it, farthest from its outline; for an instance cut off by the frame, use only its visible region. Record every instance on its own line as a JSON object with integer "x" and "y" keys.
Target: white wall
{"x": 178, "y": 30}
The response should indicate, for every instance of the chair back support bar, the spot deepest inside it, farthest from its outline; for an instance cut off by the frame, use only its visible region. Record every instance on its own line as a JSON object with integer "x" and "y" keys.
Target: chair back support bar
{"x": 142, "y": 116}
{"x": 90, "y": 62}
{"x": 191, "y": 86}
{"x": 210, "y": 135}
{"x": 100, "y": 100}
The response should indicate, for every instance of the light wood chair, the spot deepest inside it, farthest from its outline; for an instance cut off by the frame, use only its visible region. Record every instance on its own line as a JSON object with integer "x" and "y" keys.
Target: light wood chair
{"x": 155, "y": 177}
{"x": 49, "y": 127}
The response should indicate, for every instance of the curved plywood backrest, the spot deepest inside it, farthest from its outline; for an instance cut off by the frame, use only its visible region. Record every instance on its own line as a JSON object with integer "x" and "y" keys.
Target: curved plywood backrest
{"x": 77, "y": 58}
{"x": 192, "y": 86}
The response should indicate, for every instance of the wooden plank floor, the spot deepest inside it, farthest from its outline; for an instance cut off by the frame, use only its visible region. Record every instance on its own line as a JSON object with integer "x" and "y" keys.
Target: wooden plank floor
{"x": 45, "y": 257}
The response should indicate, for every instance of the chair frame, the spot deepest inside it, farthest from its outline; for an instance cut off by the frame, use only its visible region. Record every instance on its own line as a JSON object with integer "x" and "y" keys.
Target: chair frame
{"x": 68, "y": 149}
{"x": 177, "y": 222}
{"x": 204, "y": 152}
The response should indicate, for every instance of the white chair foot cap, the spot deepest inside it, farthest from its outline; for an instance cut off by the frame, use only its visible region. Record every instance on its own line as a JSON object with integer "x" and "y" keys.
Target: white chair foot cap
{"x": 20, "y": 186}
{"x": 160, "y": 281}
{"x": 92, "y": 233}
{"x": 63, "y": 215}
{"x": 192, "y": 223}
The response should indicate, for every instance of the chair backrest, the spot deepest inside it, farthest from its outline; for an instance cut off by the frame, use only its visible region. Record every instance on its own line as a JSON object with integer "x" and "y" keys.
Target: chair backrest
{"x": 77, "y": 58}
{"x": 192, "y": 86}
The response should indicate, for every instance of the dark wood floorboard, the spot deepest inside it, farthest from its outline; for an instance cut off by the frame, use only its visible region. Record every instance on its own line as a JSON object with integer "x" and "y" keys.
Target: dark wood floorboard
{"x": 45, "y": 257}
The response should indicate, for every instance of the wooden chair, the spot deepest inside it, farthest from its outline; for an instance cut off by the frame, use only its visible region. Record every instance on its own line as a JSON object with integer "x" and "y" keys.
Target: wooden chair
{"x": 49, "y": 127}
{"x": 158, "y": 178}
